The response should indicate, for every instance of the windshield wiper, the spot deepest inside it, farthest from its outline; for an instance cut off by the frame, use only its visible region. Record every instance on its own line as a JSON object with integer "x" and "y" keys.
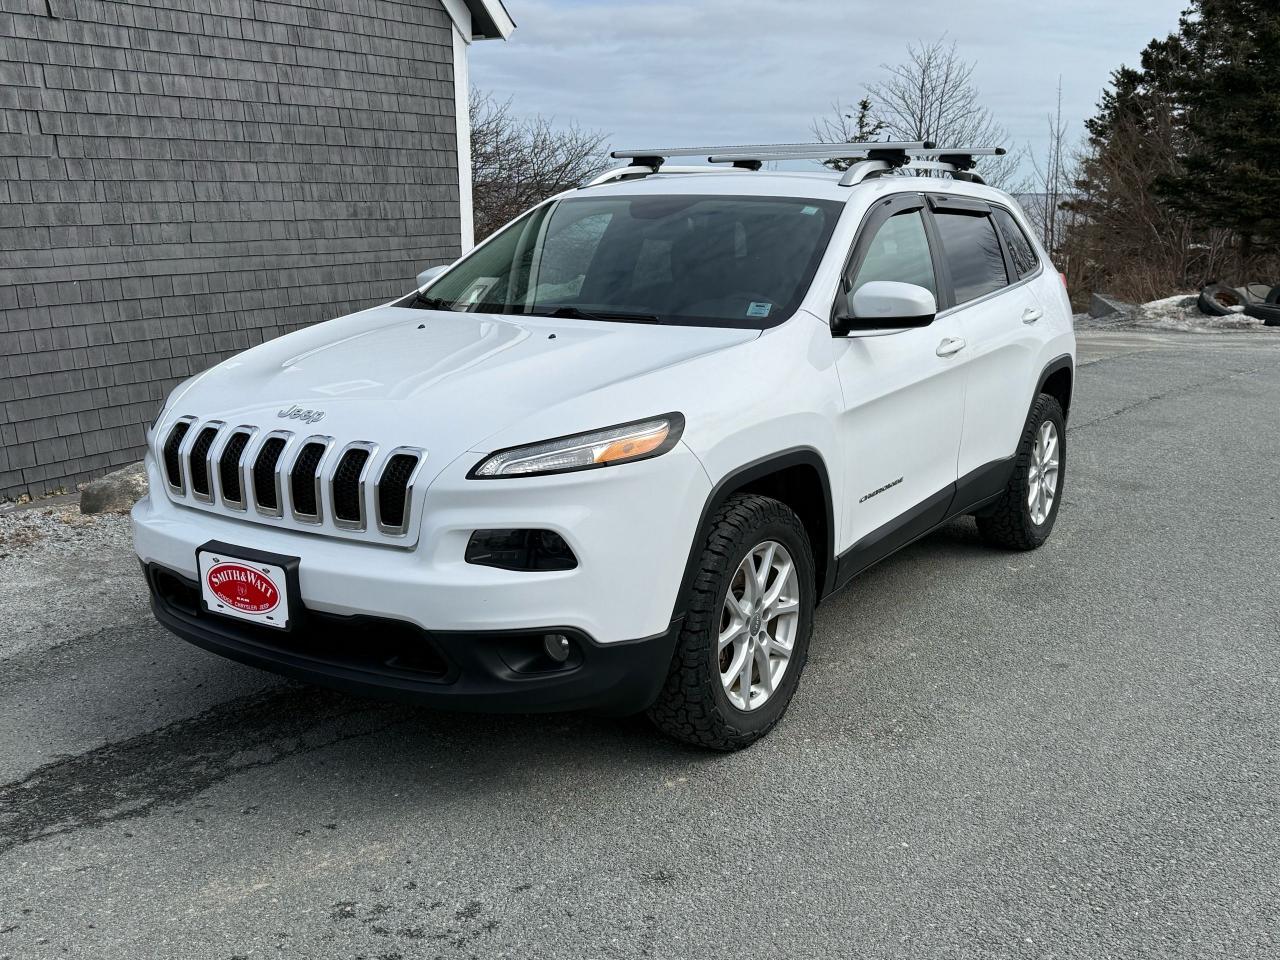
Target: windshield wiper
{"x": 574, "y": 313}
{"x": 420, "y": 299}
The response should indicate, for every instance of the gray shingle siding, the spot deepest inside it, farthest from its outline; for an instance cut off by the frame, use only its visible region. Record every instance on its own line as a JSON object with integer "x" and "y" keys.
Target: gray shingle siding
{"x": 177, "y": 185}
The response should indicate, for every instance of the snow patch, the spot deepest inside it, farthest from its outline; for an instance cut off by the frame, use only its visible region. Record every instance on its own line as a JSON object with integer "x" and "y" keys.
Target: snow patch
{"x": 1180, "y": 313}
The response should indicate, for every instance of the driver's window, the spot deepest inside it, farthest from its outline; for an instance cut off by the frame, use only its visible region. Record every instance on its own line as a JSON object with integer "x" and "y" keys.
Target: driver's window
{"x": 899, "y": 252}
{"x": 565, "y": 258}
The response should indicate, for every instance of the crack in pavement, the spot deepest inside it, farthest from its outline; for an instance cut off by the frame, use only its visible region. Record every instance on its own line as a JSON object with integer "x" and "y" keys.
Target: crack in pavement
{"x": 1176, "y": 392}
{"x": 131, "y": 778}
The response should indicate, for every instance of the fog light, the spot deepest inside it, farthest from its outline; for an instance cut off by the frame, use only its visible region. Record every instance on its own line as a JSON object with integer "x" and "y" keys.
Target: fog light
{"x": 520, "y": 550}
{"x": 556, "y": 646}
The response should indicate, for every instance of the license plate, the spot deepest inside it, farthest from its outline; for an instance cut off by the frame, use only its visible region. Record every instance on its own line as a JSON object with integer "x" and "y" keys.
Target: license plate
{"x": 245, "y": 589}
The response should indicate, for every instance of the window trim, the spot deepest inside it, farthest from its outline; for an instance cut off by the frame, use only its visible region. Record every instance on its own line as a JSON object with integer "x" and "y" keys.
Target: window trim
{"x": 953, "y": 307}
{"x": 968, "y": 207}
{"x": 880, "y": 212}
{"x": 1009, "y": 261}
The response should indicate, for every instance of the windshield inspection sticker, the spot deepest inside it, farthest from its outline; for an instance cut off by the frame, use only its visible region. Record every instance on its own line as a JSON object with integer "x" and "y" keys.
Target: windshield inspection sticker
{"x": 809, "y": 211}
{"x": 758, "y": 309}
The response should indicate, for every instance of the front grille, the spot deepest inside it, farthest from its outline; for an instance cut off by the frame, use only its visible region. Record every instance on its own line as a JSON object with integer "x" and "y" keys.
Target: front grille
{"x": 302, "y": 480}
{"x": 172, "y": 463}
{"x": 264, "y": 474}
{"x": 211, "y": 465}
{"x": 347, "y": 499}
{"x": 199, "y": 461}
{"x": 393, "y": 489}
{"x": 229, "y": 468}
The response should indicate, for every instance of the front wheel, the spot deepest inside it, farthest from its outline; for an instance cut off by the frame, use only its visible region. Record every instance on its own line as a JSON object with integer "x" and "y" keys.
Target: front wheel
{"x": 746, "y": 631}
{"x": 1023, "y": 517}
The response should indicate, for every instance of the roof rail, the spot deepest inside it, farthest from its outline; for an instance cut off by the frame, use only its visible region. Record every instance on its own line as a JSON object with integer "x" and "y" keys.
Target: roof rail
{"x": 640, "y": 172}
{"x": 870, "y": 169}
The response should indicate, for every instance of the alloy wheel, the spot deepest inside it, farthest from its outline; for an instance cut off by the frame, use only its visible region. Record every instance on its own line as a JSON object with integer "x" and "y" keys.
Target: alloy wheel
{"x": 1042, "y": 479}
{"x": 758, "y": 625}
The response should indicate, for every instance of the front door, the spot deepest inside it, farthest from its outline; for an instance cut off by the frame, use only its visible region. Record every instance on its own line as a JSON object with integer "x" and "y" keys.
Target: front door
{"x": 903, "y": 397}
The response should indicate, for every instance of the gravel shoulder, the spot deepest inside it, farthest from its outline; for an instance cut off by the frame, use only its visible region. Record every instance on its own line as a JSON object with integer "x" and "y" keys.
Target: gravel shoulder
{"x": 1070, "y": 753}
{"x": 54, "y": 553}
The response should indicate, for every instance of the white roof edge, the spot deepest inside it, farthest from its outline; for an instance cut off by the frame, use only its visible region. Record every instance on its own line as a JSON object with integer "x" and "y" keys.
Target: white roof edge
{"x": 490, "y": 20}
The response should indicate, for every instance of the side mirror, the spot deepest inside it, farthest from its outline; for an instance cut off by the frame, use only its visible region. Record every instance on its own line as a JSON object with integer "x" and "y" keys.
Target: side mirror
{"x": 883, "y": 306}
{"x": 429, "y": 274}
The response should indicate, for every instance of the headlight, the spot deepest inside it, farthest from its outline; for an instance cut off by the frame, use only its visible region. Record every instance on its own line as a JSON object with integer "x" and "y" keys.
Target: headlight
{"x": 624, "y": 443}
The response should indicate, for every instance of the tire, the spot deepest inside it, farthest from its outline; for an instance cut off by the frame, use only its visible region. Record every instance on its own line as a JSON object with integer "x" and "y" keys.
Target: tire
{"x": 1012, "y": 523}
{"x": 1268, "y": 313}
{"x": 1216, "y": 299}
{"x": 696, "y": 705}
{"x": 1274, "y": 295}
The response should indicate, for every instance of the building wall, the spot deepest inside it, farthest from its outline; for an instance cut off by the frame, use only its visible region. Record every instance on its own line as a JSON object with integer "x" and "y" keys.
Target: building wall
{"x": 177, "y": 185}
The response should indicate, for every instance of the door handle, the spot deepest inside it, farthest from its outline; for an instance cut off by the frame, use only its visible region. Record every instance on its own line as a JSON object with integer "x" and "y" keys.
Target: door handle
{"x": 950, "y": 345}
{"x": 1031, "y": 314}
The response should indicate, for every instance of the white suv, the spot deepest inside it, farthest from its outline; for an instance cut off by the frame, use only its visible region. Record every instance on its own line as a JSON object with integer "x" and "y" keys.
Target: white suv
{"x": 613, "y": 457}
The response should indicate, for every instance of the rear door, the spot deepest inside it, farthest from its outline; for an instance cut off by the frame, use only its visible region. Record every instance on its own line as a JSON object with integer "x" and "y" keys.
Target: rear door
{"x": 990, "y": 263}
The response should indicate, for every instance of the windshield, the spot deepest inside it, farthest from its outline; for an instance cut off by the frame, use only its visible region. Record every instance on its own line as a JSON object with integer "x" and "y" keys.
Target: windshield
{"x": 678, "y": 259}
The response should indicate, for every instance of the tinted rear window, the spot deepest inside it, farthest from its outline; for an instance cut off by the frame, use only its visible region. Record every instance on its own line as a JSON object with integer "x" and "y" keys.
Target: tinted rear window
{"x": 1025, "y": 260}
{"x": 972, "y": 251}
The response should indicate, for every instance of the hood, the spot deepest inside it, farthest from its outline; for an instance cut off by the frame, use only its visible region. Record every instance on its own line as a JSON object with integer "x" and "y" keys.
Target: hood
{"x": 438, "y": 380}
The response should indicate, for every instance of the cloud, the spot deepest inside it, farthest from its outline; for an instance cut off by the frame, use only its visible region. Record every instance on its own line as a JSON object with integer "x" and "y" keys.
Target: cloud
{"x": 728, "y": 71}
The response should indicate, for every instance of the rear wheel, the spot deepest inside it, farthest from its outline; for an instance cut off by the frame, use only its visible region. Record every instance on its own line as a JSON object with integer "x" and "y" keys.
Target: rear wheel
{"x": 746, "y": 631}
{"x": 1023, "y": 517}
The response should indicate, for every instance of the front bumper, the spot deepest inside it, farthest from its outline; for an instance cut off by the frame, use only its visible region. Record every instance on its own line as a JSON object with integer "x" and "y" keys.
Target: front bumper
{"x": 389, "y": 659}
{"x": 421, "y": 623}
{"x": 629, "y": 527}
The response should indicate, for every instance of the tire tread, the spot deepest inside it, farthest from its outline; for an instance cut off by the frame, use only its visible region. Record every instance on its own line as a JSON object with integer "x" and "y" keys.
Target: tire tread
{"x": 1008, "y": 523}
{"x": 686, "y": 708}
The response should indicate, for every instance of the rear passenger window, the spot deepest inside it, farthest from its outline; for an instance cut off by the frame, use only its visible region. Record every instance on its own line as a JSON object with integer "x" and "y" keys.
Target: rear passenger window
{"x": 972, "y": 251}
{"x": 900, "y": 251}
{"x": 1025, "y": 259}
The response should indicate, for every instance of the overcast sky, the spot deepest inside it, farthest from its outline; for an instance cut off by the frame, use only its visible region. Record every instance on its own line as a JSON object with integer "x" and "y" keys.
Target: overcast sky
{"x": 735, "y": 71}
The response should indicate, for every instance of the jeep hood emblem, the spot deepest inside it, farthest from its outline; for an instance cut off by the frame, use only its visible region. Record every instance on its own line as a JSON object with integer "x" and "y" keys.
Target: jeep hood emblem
{"x": 297, "y": 413}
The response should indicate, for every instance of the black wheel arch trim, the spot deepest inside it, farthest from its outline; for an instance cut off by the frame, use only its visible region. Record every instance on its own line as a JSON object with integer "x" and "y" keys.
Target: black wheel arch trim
{"x": 740, "y": 477}
{"x": 1064, "y": 362}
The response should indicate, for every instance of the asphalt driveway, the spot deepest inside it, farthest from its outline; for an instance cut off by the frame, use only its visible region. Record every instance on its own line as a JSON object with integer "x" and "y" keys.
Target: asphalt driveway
{"x": 1070, "y": 753}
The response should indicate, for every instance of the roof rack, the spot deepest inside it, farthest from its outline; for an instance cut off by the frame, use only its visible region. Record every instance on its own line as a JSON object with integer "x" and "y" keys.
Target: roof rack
{"x": 817, "y": 151}
{"x": 873, "y": 158}
{"x": 758, "y": 153}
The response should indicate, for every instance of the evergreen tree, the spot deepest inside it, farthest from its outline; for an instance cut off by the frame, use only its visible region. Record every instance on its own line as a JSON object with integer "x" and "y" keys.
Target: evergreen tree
{"x": 1223, "y": 67}
{"x": 1180, "y": 183}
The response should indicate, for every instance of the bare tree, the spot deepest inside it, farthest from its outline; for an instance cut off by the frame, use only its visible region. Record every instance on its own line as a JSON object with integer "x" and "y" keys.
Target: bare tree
{"x": 931, "y": 96}
{"x": 1046, "y": 203}
{"x": 845, "y": 127}
{"x": 517, "y": 162}
{"x": 1122, "y": 239}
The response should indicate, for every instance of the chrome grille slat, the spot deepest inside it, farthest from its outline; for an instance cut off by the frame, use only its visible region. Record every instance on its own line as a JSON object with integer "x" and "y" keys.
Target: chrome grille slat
{"x": 171, "y": 454}
{"x": 393, "y": 493}
{"x": 348, "y": 484}
{"x": 305, "y": 486}
{"x": 198, "y": 461}
{"x": 231, "y": 461}
{"x": 266, "y": 476}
